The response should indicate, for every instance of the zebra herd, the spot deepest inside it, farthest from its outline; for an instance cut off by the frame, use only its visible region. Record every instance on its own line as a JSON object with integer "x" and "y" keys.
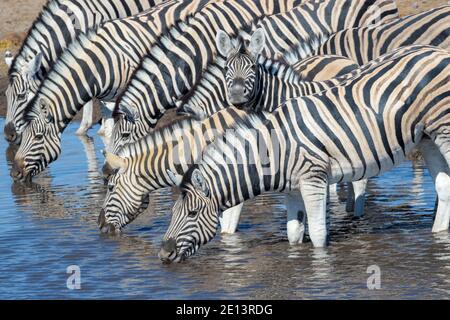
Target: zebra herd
{"x": 293, "y": 96}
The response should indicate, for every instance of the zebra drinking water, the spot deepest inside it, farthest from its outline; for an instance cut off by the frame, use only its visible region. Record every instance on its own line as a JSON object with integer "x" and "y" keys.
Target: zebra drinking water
{"x": 354, "y": 131}
{"x": 100, "y": 64}
{"x": 59, "y": 23}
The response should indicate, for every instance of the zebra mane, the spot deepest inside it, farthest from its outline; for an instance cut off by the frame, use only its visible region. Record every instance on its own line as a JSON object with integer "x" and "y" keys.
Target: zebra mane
{"x": 172, "y": 33}
{"x": 67, "y": 58}
{"x": 158, "y": 136}
{"x": 305, "y": 48}
{"x": 44, "y": 16}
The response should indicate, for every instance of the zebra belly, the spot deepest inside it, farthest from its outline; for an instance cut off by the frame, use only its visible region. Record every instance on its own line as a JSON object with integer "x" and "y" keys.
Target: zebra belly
{"x": 343, "y": 170}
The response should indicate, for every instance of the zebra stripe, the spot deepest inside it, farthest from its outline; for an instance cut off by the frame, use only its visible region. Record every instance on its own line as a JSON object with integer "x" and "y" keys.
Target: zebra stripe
{"x": 324, "y": 67}
{"x": 98, "y": 64}
{"x": 51, "y": 33}
{"x": 351, "y": 132}
{"x": 148, "y": 163}
{"x": 367, "y": 43}
{"x": 170, "y": 72}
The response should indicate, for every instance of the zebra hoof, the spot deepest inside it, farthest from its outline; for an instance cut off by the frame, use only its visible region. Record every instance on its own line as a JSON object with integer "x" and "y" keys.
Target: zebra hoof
{"x": 296, "y": 232}
{"x": 82, "y": 131}
{"x": 101, "y": 132}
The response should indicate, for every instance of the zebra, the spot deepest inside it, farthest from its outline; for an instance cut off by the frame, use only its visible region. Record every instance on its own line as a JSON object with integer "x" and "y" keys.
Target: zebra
{"x": 99, "y": 64}
{"x": 359, "y": 44}
{"x": 171, "y": 71}
{"x": 354, "y": 131}
{"x": 364, "y": 44}
{"x": 324, "y": 67}
{"x": 262, "y": 84}
{"x": 113, "y": 219}
{"x": 158, "y": 160}
{"x": 51, "y": 33}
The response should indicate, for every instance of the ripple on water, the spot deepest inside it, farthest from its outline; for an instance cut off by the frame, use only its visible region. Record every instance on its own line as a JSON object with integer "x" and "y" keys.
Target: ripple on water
{"x": 51, "y": 224}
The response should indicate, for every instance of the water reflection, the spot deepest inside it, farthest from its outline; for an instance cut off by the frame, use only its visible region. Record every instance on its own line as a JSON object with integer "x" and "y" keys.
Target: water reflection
{"x": 51, "y": 224}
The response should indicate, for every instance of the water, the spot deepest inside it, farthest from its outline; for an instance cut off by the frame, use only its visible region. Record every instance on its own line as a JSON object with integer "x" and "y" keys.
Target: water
{"x": 46, "y": 227}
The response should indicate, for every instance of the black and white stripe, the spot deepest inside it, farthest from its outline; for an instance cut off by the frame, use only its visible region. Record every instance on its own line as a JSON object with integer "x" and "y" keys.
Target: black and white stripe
{"x": 173, "y": 68}
{"x": 354, "y": 131}
{"x": 59, "y": 23}
{"x": 97, "y": 64}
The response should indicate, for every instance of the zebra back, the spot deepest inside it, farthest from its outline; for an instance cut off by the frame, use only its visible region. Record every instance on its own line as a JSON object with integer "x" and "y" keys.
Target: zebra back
{"x": 172, "y": 69}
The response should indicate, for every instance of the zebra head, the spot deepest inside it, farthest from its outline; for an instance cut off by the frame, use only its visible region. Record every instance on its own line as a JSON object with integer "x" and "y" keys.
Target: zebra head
{"x": 241, "y": 68}
{"x": 19, "y": 93}
{"x": 195, "y": 219}
{"x": 125, "y": 127}
{"x": 40, "y": 145}
{"x": 126, "y": 198}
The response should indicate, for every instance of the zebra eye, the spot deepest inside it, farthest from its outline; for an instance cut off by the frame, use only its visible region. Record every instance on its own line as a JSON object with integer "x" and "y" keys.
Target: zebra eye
{"x": 125, "y": 135}
{"x": 22, "y": 96}
{"x": 110, "y": 187}
{"x": 39, "y": 136}
{"x": 192, "y": 214}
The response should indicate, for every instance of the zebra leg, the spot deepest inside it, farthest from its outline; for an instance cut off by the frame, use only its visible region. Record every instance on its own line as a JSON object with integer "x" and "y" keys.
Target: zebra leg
{"x": 356, "y": 197}
{"x": 107, "y": 109}
{"x": 230, "y": 219}
{"x": 315, "y": 199}
{"x": 439, "y": 170}
{"x": 86, "y": 121}
{"x": 333, "y": 189}
{"x": 295, "y": 210}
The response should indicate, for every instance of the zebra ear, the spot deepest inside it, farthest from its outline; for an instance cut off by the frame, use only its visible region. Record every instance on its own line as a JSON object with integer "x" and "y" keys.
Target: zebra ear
{"x": 115, "y": 162}
{"x": 193, "y": 112}
{"x": 257, "y": 42}
{"x": 199, "y": 182}
{"x": 44, "y": 111}
{"x": 223, "y": 43}
{"x": 34, "y": 65}
{"x": 9, "y": 58}
{"x": 175, "y": 178}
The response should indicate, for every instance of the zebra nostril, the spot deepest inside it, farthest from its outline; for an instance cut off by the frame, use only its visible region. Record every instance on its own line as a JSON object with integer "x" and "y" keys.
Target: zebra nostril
{"x": 10, "y": 132}
{"x": 104, "y": 226}
{"x": 168, "y": 250}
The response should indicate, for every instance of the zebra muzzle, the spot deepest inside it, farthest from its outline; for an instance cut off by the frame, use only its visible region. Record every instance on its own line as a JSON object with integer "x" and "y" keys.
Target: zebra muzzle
{"x": 168, "y": 251}
{"x": 104, "y": 226}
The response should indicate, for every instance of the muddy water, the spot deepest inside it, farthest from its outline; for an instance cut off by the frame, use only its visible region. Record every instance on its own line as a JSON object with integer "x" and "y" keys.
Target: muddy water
{"x": 51, "y": 224}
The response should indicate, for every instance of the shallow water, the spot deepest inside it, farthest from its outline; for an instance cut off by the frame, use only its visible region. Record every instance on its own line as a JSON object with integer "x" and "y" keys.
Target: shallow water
{"x": 46, "y": 227}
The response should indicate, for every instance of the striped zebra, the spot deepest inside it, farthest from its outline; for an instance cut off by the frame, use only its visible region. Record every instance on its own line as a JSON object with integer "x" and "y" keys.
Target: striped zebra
{"x": 100, "y": 64}
{"x": 157, "y": 161}
{"x": 115, "y": 217}
{"x": 367, "y": 43}
{"x": 59, "y": 23}
{"x": 354, "y": 131}
{"x": 361, "y": 44}
{"x": 168, "y": 152}
{"x": 171, "y": 71}
{"x": 324, "y": 67}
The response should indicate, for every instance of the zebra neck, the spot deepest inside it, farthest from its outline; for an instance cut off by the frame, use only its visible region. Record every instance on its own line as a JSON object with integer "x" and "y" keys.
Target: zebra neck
{"x": 178, "y": 146}
{"x": 247, "y": 162}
